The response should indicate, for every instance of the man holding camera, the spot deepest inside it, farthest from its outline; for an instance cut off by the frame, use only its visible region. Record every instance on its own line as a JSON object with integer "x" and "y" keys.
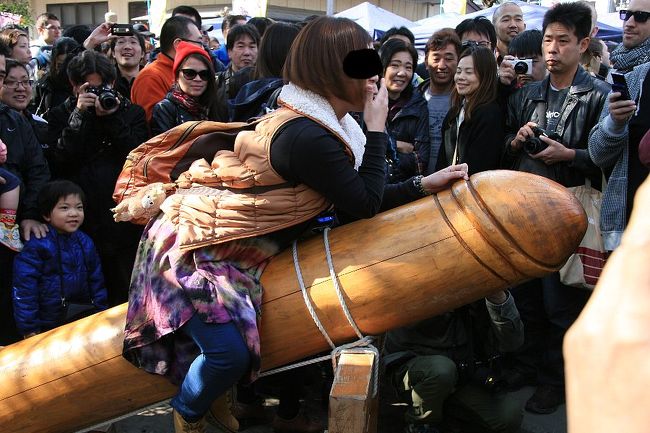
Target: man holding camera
{"x": 98, "y": 128}
{"x": 445, "y": 367}
{"x": 548, "y": 124}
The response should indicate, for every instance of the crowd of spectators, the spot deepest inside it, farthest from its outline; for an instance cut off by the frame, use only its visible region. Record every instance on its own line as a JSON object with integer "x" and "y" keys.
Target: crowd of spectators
{"x": 74, "y": 103}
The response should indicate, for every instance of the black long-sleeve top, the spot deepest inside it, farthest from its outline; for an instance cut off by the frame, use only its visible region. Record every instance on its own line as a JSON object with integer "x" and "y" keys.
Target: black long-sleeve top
{"x": 305, "y": 152}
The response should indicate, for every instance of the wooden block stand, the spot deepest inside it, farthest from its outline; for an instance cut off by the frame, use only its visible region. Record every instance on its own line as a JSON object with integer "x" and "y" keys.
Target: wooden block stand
{"x": 352, "y": 407}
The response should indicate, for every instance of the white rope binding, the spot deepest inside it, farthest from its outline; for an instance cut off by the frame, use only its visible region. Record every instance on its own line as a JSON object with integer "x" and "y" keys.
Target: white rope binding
{"x": 362, "y": 345}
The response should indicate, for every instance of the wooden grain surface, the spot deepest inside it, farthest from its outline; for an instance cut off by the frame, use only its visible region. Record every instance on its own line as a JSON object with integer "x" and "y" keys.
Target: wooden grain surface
{"x": 402, "y": 266}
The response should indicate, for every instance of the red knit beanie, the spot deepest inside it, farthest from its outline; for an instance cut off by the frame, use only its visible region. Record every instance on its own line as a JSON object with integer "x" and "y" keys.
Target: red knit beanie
{"x": 184, "y": 49}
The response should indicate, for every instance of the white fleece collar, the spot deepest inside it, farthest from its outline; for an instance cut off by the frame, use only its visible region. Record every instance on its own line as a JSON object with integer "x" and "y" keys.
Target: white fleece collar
{"x": 317, "y": 108}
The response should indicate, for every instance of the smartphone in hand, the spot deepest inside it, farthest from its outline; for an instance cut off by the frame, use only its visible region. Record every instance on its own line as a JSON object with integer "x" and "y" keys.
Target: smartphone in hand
{"x": 620, "y": 85}
{"x": 122, "y": 30}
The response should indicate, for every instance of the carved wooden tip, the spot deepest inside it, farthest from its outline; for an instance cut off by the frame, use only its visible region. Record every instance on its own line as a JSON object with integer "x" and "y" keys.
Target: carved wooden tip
{"x": 540, "y": 217}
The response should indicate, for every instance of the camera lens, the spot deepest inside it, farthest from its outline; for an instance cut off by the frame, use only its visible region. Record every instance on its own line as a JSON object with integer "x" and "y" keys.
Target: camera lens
{"x": 521, "y": 68}
{"x": 107, "y": 100}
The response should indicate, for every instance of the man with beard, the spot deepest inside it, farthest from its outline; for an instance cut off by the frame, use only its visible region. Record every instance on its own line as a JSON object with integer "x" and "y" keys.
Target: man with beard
{"x": 635, "y": 49}
{"x": 442, "y": 51}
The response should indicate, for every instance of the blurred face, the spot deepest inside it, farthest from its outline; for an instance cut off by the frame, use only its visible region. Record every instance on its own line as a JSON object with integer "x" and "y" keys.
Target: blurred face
{"x": 510, "y": 23}
{"x": 371, "y": 85}
{"x": 537, "y": 74}
{"x": 17, "y": 89}
{"x": 442, "y": 66}
{"x": 3, "y": 72}
{"x": 194, "y": 36}
{"x": 398, "y": 74}
{"x": 67, "y": 215}
{"x": 466, "y": 79}
{"x": 634, "y": 32}
{"x": 21, "y": 52}
{"x": 50, "y": 32}
{"x": 605, "y": 58}
{"x": 403, "y": 38}
{"x": 562, "y": 49}
{"x": 227, "y": 29}
{"x": 193, "y": 77}
{"x": 481, "y": 40}
{"x": 243, "y": 53}
{"x": 128, "y": 52}
{"x": 214, "y": 44}
{"x": 94, "y": 80}
{"x": 58, "y": 62}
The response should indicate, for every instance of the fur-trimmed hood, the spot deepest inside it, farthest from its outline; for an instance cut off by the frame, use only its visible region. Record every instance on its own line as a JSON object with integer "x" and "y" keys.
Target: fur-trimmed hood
{"x": 317, "y": 108}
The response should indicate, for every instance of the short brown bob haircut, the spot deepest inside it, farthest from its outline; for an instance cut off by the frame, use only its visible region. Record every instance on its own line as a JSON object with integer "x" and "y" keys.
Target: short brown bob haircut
{"x": 315, "y": 61}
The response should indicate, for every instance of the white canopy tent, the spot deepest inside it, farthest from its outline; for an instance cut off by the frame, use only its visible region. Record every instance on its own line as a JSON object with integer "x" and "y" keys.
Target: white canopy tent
{"x": 372, "y": 18}
{"x": 533, "y": 16}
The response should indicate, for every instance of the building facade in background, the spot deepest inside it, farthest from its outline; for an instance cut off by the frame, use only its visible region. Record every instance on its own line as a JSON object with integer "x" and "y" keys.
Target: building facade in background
{"x": 92, "y": 13}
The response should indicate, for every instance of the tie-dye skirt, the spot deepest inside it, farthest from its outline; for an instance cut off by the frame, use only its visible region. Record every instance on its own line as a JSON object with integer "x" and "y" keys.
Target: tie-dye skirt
{"x": 220, "y": 283}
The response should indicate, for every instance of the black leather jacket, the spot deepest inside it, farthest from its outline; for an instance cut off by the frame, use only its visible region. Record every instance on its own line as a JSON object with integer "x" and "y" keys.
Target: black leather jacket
{"x": 578, "y": 115}
{"x": 168, "y": 114}
{"x": 410, "y": 124}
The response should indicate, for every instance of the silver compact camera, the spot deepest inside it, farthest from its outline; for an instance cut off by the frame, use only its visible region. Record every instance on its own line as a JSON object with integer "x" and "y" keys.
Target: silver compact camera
{"x": 522, "y": 66}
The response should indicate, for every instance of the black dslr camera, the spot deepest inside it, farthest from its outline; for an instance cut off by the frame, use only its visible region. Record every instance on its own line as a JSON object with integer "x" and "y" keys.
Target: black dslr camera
{"x": 484, "y": 374}
{"x": 534, "y": 145}
{"x": 107, "y": 96}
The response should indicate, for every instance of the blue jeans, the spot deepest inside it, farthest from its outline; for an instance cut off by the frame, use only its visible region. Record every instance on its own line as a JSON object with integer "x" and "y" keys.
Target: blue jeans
{"x": 224, "y": 358}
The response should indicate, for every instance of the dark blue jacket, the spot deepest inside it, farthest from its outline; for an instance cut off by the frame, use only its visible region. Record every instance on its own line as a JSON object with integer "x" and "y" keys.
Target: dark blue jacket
{"x": 252, "y": 99}
{"x": 51, "y": 267}
{"x": 410, "y": 124}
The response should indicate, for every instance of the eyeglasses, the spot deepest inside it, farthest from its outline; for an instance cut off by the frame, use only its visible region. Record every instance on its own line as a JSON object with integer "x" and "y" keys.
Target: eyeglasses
{"x": 191, "y": 74}
{"x": 639, "y": 16}
{"x": 474, "y": 44}
{"x": 192, "y": 41}
{"x": 14, "y": 84}
{"x": 53, "y": 27}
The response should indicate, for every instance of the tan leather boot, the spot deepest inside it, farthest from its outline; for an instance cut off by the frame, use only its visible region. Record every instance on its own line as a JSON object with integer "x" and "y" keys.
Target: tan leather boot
{"x": 220, "y": 415}
{"x": 182, "y": 426}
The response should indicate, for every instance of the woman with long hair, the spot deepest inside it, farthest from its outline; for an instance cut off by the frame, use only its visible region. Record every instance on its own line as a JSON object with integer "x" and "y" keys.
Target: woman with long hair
{"x": 260, "y": 95}
{"x": 197, "y": 290}
{"x": 407, "y": 124}
{"x": 54, "y": 88}
{"x": 192, "y": 95}
{"x": 473, "y": 130}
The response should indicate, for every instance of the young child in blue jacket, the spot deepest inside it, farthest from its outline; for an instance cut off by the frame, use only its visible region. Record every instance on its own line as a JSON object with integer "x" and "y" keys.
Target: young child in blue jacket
{"x": 61, "y": 268}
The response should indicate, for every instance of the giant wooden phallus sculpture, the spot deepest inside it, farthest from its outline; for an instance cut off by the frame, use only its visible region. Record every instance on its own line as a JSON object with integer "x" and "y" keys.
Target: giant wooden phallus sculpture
{"x": 494, "y": 231}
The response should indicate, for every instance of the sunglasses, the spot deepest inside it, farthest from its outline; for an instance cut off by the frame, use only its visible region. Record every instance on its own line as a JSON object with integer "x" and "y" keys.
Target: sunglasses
{"x": 191, "y": 74}
{"x": 639, "y": 16}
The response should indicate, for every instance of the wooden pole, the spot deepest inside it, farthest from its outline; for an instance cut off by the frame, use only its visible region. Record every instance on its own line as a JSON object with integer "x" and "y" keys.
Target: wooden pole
{"x": 352, "y": 405}
{"x": 400, "y": 267}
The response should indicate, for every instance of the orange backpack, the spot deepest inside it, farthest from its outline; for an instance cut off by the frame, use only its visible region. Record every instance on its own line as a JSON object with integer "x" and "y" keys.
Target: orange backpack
{"x": 164, "y": 157}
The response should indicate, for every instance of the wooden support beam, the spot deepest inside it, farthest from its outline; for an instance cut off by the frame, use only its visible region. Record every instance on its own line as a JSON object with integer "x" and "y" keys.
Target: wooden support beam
{"x": 352, "y": 407}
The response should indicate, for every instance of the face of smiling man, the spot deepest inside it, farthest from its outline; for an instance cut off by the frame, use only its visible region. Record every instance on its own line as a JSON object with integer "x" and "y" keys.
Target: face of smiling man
{"x": 442, "y": 65}
{"x": 128, "y": 51}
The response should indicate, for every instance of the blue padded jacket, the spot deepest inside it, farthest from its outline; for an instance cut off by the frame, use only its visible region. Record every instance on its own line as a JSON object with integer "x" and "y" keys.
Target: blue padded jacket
{"x": 47, "y": 269}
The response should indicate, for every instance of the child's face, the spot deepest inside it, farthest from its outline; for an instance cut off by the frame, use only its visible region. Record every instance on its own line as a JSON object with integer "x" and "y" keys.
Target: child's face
{"x": 67, "y": 215}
